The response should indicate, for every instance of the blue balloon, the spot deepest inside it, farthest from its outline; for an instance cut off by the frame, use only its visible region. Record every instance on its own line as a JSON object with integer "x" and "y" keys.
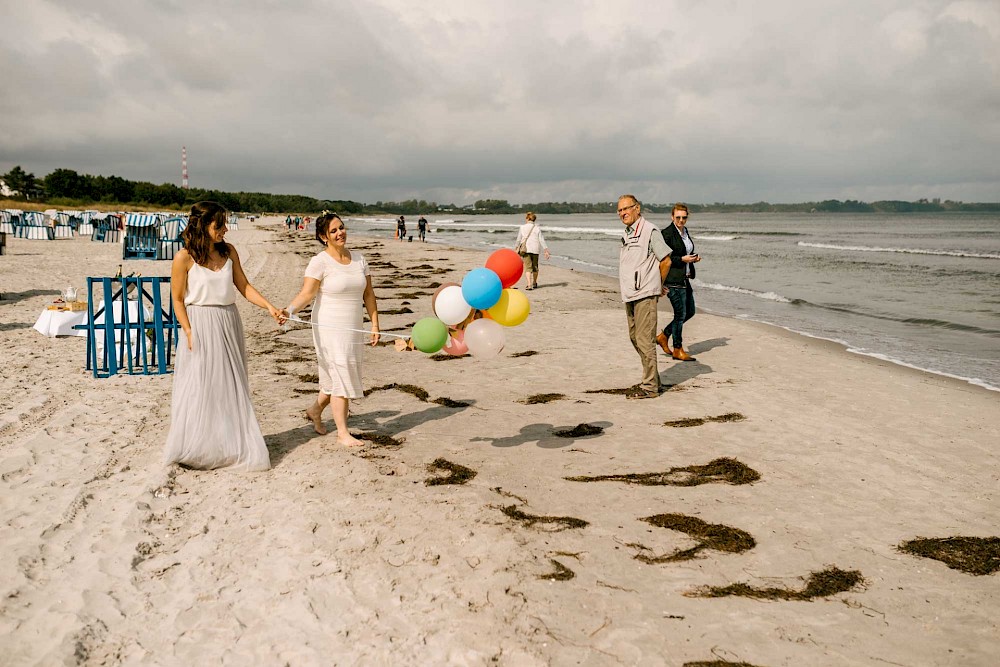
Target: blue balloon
{"x": 481, "y": 288}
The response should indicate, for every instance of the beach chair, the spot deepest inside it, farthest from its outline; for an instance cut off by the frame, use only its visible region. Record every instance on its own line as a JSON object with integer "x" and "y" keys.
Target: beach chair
{"x": 7, "y": 221}
{"x": 36, "y": 226}
{"x": 170, "y": 236}
{"x": 63, "y": 228}
{"x": 142, "y": 236}
{"x": 86, "y": 226}
{"x": 234, "y": 222}
{"x": 106, "y": 228}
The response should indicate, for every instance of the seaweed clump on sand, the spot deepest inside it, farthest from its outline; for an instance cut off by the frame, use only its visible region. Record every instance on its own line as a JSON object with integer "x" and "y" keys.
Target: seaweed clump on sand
{"x": 457, "y": 474}
{"x": 543, "y": 398}
{"x": 419, "y": 392}
{"x": 561, "y": 572}
{"x": 723, "y": 470}
{"x": 311, "y": 378}
{"x": 624, "y": 391}
{"x": 529, "y": 520}
{"x": 708, "y": 536}
{"x": 717, "y": 663}
{"x": 526, "y": 353}
{"x": 447, "y": 357}
{"x": 821, "y": 584}
{"x": 698, "y": 421}
{"x": 974, "y": 555}
{"x": 380, "y": 439}
{"x": 397, "y": 311}
{"x": 579, "y": 431}
{"x": 451, "y": 403}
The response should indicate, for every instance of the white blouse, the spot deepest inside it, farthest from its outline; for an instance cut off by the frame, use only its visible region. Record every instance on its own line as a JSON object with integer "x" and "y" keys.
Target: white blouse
{"x": 206, "y": 287}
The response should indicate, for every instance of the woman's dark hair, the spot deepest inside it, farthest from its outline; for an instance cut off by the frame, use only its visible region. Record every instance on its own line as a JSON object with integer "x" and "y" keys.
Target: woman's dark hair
{"x": 197, "y": 241}
{"x": 323, "y": 225}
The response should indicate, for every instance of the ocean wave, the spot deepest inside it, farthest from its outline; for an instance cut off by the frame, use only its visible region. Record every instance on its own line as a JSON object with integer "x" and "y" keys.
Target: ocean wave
{"x": 767, "y": 296}
{"x": 748, "y": 232}
{"x": 908, "y": 251}
{"x": 714, "y": 238}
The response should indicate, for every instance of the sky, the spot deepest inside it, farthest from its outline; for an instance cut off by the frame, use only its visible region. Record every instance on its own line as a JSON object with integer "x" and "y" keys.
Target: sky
{"x": 454, "y": 101}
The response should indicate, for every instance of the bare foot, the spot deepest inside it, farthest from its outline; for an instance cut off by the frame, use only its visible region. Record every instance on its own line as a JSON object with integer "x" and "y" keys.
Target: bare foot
{"x": 316, "y": 417}
{"x": 348, "y": 440}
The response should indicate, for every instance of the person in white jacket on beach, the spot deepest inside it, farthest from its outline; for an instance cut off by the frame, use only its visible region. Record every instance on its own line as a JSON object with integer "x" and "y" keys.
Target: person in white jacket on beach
{"x": 530, "y": 234}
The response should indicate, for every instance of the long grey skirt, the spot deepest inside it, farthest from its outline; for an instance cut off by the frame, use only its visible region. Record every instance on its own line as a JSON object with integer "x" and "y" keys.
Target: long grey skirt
{"x": 212, "y": 421}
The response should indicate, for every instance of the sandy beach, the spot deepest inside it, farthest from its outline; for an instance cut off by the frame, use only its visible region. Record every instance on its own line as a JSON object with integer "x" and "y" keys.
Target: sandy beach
{"x": 343, "y": 556}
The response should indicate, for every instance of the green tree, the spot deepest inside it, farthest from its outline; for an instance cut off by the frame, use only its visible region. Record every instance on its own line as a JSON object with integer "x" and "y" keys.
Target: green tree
{"x": 19, "y": 181}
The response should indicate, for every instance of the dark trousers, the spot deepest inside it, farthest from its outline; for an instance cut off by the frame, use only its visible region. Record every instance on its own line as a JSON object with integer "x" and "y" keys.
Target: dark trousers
{"x": 682, "y": 299}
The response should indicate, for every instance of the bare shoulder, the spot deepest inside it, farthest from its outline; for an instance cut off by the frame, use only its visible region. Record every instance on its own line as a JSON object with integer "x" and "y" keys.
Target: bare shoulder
{"x": 232, "y": 252}
{"x": 182, "y": 258}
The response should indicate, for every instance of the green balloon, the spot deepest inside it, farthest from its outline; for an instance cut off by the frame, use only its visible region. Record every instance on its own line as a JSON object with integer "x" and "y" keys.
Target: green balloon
{"x": 429, "y": 335}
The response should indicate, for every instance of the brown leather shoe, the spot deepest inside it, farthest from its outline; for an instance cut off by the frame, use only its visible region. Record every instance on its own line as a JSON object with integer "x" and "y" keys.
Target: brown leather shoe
{"x": 662, "y": 340}
{"x": 680, "y": 355}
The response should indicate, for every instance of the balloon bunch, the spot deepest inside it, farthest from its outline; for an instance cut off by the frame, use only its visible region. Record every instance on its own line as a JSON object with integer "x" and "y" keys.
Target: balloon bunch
{"x": 470, "y": 318}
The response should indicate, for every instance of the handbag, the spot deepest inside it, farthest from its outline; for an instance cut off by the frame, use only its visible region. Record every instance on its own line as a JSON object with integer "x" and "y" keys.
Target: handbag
{"x": 522, "y": 246}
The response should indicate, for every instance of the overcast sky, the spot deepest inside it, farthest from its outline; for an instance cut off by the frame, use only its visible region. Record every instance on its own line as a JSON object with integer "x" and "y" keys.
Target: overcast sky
{"x": 454, "y": 101}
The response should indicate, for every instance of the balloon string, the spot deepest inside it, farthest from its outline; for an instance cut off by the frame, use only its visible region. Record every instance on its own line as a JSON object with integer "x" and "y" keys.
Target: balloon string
{"x": 330, "y": 326}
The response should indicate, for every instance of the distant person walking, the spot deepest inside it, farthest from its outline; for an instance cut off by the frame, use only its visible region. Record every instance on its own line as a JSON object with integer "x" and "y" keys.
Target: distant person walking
{"x": 289, "y": 223}
{"x": 422, "y": 228}
{"x": 401, "y": 228}
{"x": 678, "y": 282}
{"x": 530, "y": 243}
{"x": 642, "y": 267}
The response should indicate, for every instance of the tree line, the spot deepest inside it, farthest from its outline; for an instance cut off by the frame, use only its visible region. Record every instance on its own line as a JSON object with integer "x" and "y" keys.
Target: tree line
{"x": 66, "y": 187}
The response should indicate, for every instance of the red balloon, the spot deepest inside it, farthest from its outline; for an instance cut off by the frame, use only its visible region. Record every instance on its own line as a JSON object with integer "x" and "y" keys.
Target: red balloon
{"x": 507, "y": 264}
{"x": 456, "y": 346}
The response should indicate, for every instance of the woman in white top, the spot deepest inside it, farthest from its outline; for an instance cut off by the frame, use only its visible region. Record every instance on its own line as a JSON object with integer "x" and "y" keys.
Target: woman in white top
{"x": 534, "y": 244}
{"x": 212, "y": 421}
{"x": 339, "y": 280}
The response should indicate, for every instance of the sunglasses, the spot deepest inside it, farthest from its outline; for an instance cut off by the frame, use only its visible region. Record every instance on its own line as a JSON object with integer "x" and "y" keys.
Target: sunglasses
{"x": 622, "y": 210}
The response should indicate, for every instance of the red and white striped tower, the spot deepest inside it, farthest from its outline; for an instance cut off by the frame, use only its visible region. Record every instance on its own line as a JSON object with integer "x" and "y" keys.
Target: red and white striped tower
{"x": 184, "y": 167}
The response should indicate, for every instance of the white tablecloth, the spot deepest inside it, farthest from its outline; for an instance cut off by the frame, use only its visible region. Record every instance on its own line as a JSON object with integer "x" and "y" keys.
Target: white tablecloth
{"x": 54, "y": 323}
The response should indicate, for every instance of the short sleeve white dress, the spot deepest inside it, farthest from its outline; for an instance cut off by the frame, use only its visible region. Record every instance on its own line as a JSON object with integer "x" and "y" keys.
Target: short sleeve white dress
{"x": 212, "y": 421}
{"x": 337, "y": 314}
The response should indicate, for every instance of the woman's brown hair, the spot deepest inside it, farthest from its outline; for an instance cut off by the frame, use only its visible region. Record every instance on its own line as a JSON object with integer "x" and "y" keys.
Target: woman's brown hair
{"x": 197, "y": 241}
{"x": 323, "y": 225}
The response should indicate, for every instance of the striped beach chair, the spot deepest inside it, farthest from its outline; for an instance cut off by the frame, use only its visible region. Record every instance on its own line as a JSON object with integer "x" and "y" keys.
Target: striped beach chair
{"x": 9, "y": 217}
{"x": 170, "y": 236}
{"x": 63, "y": 228}
{"x": 142, "y": 236}
{"x": 86, "y": 226}
{"x": 234, "y": 222}
{"x": 36, "y": 226}
{"x": 106, "y": 228}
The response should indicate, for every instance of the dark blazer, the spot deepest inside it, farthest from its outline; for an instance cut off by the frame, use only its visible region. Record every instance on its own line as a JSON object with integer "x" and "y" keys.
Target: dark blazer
{"x": 672, "y": 237}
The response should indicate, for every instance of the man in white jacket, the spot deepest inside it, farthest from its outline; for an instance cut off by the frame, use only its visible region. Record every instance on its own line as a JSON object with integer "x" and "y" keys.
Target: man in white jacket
{"x": 643, "y": 263}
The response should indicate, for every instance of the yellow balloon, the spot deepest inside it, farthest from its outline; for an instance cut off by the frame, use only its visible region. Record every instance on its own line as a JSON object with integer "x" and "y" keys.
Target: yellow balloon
{"x": 511, "y": 309}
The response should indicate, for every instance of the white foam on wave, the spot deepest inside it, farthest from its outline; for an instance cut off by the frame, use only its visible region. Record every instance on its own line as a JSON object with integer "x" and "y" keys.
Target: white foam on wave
{"x": 714, "y": 238}
{"x": 767, "y": 296}
{"x": 907, "y": 251}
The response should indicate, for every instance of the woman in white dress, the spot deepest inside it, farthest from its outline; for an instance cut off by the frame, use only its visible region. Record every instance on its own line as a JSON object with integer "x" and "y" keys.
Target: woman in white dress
{"x": 212, "y": 421}
{"x": 338, "y": 279}
{"x": 534, "y": 244}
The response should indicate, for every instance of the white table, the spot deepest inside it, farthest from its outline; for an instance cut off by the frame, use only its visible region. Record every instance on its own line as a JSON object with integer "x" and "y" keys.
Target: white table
{"x": 54, "y": 323}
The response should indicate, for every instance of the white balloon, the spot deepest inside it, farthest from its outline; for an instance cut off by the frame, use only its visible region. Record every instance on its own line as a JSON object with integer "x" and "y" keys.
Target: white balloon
{"x": 484, "y": 338}
{"x": 450, "y": 306}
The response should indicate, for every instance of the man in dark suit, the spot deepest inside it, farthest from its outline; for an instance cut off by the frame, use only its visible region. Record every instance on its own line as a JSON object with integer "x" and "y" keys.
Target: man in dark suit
{"x": 678, "y": 281}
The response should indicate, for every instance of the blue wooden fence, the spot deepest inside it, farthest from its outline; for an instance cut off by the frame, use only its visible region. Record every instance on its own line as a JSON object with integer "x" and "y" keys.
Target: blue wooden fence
{"x": 145, "y": 339}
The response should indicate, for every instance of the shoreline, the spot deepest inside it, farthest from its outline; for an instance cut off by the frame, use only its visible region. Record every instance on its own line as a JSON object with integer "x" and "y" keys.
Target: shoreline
{"x": 361, "y": 555}
{"x": 845, "y": 346}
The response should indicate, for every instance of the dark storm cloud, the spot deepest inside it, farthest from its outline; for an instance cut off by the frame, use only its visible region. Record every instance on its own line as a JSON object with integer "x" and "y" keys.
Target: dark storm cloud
{"x": 451, "y": 101}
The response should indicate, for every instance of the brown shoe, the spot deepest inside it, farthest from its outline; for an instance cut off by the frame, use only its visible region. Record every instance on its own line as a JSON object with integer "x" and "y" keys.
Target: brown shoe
{"x": 680, "y": 355}
{"x": 662, "y": 340}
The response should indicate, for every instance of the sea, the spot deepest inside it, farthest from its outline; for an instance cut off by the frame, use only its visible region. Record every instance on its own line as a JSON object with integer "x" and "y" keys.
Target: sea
{"x": 920, "y": 290}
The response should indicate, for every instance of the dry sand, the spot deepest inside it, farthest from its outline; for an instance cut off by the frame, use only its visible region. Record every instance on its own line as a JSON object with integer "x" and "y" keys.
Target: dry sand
{"x": 346, "y": 557}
